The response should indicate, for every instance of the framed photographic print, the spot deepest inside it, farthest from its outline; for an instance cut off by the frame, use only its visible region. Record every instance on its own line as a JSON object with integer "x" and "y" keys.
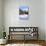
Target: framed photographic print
{"x": 23, "y": 12}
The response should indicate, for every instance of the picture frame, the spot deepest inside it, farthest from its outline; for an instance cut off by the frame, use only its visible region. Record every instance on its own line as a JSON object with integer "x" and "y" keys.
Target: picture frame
{"x": 23, "y": 12}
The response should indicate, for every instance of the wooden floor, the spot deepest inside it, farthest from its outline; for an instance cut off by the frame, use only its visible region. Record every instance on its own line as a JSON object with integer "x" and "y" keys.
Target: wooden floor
{"x": 40, "y": 42}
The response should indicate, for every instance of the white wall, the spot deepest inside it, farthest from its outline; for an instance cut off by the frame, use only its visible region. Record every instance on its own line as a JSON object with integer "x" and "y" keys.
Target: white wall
{"x": 36, "y": 17}
{"x": 0, "y": 18}
{"x": 45, "y": 19}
